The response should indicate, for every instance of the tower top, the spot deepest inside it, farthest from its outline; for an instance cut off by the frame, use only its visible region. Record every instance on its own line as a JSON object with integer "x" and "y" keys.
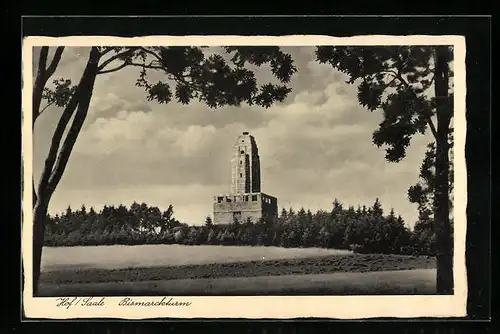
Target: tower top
{"x": 245, "y": 165}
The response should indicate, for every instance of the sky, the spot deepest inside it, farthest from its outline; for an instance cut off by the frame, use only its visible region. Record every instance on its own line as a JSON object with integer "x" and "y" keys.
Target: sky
{"x": 314, "y": 147}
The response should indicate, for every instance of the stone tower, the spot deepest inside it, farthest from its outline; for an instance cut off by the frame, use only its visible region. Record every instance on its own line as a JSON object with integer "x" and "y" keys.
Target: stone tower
{"x": 245, "y": 166}
{"x": 246, "y": 199}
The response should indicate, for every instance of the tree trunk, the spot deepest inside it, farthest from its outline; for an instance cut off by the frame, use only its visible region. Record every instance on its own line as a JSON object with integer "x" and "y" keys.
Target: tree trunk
{"x": 39, "y": 217}
{"x": 43, "y": 74}
{"x": 39, "y": 84}
{"x": 441, "y": 195}
{"x": 56, "y": 162}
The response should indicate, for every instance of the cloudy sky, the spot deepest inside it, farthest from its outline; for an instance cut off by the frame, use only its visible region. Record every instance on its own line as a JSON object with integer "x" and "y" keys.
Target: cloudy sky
{"x": 314, "y": 147}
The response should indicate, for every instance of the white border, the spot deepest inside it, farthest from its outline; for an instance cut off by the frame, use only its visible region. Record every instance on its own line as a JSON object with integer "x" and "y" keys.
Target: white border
{"x": 340, "y": 307}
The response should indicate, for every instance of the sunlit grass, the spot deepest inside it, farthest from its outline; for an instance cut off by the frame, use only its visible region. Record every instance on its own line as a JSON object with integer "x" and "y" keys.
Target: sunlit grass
{"x": 119, "y": 257}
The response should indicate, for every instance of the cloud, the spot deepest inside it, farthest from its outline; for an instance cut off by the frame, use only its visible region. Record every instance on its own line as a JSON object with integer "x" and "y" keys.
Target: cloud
{"x": 314, "y": 147}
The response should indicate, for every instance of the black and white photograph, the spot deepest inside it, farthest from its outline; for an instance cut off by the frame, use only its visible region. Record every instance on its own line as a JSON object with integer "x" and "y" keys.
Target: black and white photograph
{"x": 179, "y": 170}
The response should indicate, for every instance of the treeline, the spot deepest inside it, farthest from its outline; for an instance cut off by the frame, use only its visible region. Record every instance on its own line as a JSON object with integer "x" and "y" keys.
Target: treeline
{"x": 363, "y": 230}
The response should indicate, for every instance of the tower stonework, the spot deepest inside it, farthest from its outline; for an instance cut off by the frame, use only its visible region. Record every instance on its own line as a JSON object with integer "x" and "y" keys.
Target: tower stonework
{"x": 246, "y": 199}
{"x": 245, "y": 166}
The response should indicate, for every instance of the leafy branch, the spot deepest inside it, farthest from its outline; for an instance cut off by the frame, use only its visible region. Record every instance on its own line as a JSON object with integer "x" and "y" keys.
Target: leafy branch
{"x": 43, "y": 74}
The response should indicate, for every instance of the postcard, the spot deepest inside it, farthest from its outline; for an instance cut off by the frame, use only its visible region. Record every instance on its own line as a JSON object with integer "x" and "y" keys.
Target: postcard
{"x": 258, "y": 177}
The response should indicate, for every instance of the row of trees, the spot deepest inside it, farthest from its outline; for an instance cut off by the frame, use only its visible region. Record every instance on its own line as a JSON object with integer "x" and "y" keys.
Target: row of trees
{"x": 365, "y": 229}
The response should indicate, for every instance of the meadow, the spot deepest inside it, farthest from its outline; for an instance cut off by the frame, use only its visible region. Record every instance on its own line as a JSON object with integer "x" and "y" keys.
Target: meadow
{"x": 123, "y": 256}
{"x": 230, "y": 270}
{"x": 401, "y": 282}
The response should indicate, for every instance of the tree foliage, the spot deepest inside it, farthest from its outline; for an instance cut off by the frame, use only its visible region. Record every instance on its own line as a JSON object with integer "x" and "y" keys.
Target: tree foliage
{"x": 366, "y": 231}
{"x": 422, "y": 193}
{"x": 214, "y": 79}
{"x": 413, "y": 87}
{"x": 396, "y": 80}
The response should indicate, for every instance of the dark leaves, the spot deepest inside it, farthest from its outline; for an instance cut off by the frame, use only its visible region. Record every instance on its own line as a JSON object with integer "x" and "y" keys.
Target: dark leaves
{"x": 270, "y": 93}
{"x": 61, "y": 93}
{"x": 212, "y": 80}
{"x": 402, "y": 119}
{"x": 183, "y": 93}
{"x": 422, "y": 193}
{"x": 412, "y": 78}
{"x": 254, "y": 55}
{"x": 415, "y": 61}
{"x": 407, "y": 71}
{"x": 160, "y": 92}
{"x": 245, "y": 86}
{"x": 356, "y": 62}
{"x": 173, "y": 59}
{"x": 142, "y": 80}
{"x": 370, "y": 96}
{"x": 282, "y": 67}
{"x": 427, "y": 168}
{"x": 416, "y": 193}
{"x": 396, "y": 137}
{"x": 281, "y": 63}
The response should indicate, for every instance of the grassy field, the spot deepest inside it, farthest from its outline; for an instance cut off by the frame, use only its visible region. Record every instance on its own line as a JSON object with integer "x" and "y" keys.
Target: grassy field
{"x": 225, "y": 270}
{"x": 402, "y": 282}
{"x": 297, "y": 266}
{"x": 118, "y": 257}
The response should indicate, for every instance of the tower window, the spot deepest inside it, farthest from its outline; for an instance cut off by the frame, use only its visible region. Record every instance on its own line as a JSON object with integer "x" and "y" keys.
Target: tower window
{"x": 241, "y": 162}
{"x": 242, "y": 152}
{"x": 241, "y": 175}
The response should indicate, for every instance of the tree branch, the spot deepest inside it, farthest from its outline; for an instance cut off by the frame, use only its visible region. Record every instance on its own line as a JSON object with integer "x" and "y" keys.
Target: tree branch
{"x": 432, "y": 80}
{"x": 69, "y": 142}
{"x": 43, "y": 187}
{"x": 43, "y": 109}
{"x": 39, "y": 83}
{"x": 151, "y": 53}
{"x": 42, "y": 61}
{"x": 35, "y": 197}
{"x": 394, "y": 77}
{"x": 150, "y": 66}
{"x": 43, "y": 75}
{"x": 115, "y": 57}
{"x": 102, "y": 53}
{"x": 56, "y": 141}
{"x": 407, "y": 85}
{"x": 114, "y": 69}
{"x": 403, "y": 63}
{"x": 86, "y": 88}
{"x": 175, "y": 77}
{"x": 55, "y": 61}
{"x": 397, "y": 75}
{"x": 415, "y": 96}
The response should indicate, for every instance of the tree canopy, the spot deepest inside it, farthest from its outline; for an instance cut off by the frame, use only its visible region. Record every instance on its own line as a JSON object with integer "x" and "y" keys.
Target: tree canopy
{"x": 363, "y": 231}
{"x": 397, "y": 80}
{"x": 413, "y": 88}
